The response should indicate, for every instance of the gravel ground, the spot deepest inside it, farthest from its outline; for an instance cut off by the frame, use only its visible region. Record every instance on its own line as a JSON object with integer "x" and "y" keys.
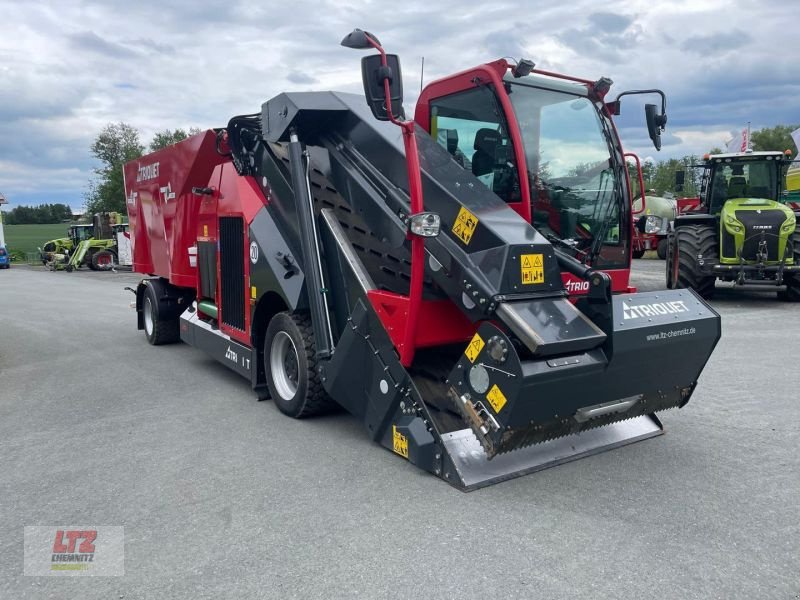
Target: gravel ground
{"x": 223, "y": 497}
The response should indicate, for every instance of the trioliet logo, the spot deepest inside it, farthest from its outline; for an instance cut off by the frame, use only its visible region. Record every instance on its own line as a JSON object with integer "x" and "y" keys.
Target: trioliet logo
{"x": 653, "y": 309}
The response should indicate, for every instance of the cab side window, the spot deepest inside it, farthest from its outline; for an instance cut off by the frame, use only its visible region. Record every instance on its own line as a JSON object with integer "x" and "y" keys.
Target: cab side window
{"x": 473, "y": 129}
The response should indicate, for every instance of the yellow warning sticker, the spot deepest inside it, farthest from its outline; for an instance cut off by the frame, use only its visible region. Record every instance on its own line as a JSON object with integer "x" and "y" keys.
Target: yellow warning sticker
{"x": 532, "y": 268}
{"x": 496, "y": 398}
{"x": 465, "y": 225}
{"x": 474, "y": 348}
{"x": 399, "y": 442}
{"x": 253, "y": 292}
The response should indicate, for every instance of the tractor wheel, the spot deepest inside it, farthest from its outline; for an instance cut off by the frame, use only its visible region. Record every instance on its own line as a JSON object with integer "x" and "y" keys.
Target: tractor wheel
{"x": 671, "y": 263}
{"x": 793, "y": 281}
{"x": 69, "y": 268}
{"x": 157, "y": 331}
{"x": 637, "y": 253}
{"x": 661, "y": 249}
{"x": 105, "y": 260}
{"x": 692, "y": 241}
{"x": 294, "y": 383}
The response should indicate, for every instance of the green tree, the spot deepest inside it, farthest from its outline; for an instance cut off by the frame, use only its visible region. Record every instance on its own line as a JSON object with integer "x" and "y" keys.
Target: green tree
{"x": 165, "y": 138}
{"x": 774, "y": 138}
{"x": 115, "y": 145}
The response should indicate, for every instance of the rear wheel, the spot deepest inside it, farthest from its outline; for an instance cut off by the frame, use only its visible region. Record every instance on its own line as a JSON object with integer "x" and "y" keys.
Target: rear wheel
{"x": 793, "y": 280}
{"x": 291, "y": 367}
{"x": 157, "y": 331}
{"x": 692, "y": 243}
{"x": 637, "y": 253}
{"x": 661, "y": 249}
{"x": 105, "y": 260}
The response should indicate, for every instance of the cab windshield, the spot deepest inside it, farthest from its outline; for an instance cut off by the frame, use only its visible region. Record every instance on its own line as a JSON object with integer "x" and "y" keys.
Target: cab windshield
{"x": 575, "y": 187}
{"x": 744, "y": 179}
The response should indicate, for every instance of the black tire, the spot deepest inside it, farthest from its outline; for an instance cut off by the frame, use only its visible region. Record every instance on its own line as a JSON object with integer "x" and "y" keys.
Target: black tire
{"x": 157, "y": 331}
{"x": 670, "y": 263}
{"x": 105, "y": 260}
{"x": 692, "y": 241}
{"x": 88, "y": 260}
{"x": 661, "y": 249}
{"x": 637, "y": 253}
{"x": 793, "y": 281}
{"x": 291, "y": 368}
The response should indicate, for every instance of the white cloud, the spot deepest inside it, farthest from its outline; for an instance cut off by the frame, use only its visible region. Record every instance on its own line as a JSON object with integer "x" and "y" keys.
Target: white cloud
{"x": 69, "y": 68}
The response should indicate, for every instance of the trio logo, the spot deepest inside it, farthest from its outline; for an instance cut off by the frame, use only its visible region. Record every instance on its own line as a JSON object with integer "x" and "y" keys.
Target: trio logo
{"x": 654, "y": 309}
{"x": 68, "y": 554}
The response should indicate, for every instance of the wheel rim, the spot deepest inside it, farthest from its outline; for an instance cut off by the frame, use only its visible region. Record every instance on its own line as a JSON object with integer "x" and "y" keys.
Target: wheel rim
{"x": 148, "y": 317}
{"x": 284, "y": 365}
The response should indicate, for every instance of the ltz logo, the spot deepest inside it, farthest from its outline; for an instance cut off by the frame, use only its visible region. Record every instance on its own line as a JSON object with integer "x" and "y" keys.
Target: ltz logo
{"x": 68, "y": 554}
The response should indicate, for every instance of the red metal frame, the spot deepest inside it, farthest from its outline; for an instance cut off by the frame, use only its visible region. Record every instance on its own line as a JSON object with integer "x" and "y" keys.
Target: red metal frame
{"x": 408, "y": 346}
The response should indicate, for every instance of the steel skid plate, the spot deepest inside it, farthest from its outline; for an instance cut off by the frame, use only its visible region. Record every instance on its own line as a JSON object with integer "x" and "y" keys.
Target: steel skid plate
{"x": 472, "y": 469}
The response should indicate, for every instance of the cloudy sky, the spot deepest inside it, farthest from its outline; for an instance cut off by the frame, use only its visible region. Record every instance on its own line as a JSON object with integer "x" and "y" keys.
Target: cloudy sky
{"x": 68, "y": 68}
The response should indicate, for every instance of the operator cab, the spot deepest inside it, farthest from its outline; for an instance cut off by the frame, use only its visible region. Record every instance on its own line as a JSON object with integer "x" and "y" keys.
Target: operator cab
{"x": 756, "y": 175}
{"x": 80, "y": 233}
{"x": 547, "y": 146}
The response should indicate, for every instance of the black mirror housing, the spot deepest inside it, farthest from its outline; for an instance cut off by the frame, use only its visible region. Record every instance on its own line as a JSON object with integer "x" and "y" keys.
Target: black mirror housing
{"x": 653, "y": 128}
{"x": 373, "y": 74}
{"x": 680, "y": 179}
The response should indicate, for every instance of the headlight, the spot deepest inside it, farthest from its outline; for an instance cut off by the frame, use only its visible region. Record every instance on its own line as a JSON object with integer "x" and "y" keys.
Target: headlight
{"x": 653, "y": 224}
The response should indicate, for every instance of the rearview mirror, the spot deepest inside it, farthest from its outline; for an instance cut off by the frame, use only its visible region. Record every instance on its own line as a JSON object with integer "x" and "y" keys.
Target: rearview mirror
{"x": 373, "y": 73}
{"x": 655, "y": 123}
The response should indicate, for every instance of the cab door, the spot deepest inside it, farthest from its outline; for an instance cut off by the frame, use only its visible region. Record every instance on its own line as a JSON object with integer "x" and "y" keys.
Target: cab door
{"x": 470, "y": 115}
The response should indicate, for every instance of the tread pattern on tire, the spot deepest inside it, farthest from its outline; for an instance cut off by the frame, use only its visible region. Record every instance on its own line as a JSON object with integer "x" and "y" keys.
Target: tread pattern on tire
{"x": 317, "y": 401}
{"x": 691, "y": 241}
{"x": 793, "y": 282}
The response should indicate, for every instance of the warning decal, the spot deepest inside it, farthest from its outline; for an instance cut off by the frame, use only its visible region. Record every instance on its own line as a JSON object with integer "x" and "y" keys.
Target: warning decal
{"x": 474, "y": 348}
{"x": 465, "y": 225}
{"x": 496, "y": 398}
{"x": 399, "y": 442}
{"x": 532, "y": 268}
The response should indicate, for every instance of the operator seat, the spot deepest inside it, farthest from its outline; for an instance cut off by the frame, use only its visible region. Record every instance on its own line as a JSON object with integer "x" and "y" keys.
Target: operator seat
{"x": 737, "y": 187}
{"x": 486, "y": 142}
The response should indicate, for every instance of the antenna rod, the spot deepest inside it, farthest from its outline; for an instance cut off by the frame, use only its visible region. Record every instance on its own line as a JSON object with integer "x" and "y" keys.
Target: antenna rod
{"x": 421, "y": 74}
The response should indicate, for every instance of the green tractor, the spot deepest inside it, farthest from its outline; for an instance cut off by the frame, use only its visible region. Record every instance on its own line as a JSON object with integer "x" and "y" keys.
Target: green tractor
{"x": 739, "y": 229}
{"x": 94, "y": 246}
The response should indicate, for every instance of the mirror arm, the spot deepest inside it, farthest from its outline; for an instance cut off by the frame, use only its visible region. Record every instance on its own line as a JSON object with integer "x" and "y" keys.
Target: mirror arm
{"x": 652, "y": 91}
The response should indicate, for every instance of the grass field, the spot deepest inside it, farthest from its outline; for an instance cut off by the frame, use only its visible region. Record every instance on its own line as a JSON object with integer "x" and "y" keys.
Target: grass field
{"x": 26, "y": 238}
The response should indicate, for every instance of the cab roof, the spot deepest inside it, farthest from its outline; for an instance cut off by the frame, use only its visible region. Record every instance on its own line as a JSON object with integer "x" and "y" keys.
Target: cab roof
{"x": 747, "y": 155}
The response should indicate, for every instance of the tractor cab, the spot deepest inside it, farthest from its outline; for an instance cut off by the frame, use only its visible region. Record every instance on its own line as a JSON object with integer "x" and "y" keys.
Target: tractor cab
{"x": 735, "y": 176}
{"x": 80, "y": 233}
{"x": 545, "y": 144}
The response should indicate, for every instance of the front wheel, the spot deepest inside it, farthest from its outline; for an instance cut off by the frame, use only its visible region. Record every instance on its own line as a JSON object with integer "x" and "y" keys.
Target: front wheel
{"x": 693, "y": 242}
{"x": 157, "y": 331}
{"x": 661, "y": 249}
{"x": 291, "y": 367}
{"x": 637, "y": 253}
{"x": 793, "y": 281}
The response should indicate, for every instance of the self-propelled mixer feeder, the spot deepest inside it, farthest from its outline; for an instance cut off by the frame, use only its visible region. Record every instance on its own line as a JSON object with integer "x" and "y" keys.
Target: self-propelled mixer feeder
{"x": 450, "y": 281}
